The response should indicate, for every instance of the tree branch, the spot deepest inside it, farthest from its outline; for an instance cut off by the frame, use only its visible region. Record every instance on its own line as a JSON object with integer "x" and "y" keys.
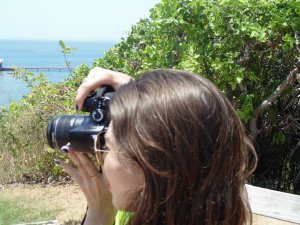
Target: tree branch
{"x": 291, "y": 78}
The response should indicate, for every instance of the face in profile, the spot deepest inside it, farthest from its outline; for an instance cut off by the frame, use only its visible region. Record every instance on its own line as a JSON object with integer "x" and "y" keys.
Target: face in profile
{"x": 124, "y": 177}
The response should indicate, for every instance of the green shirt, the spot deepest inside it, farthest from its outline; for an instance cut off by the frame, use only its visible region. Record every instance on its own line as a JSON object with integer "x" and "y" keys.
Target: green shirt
{"x": 122, "y": 217}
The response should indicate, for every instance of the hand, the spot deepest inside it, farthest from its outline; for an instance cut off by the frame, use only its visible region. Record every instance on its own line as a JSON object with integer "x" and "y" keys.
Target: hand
{"x": 96, "y": 78}
{"x": 92, "y": 184}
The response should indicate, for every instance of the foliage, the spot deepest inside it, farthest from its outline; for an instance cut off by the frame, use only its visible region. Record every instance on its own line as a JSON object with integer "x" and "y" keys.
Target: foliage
{"x": 237, "y": 44}
{"x": 246, "y": 47}
{"x": 23, "y": 145}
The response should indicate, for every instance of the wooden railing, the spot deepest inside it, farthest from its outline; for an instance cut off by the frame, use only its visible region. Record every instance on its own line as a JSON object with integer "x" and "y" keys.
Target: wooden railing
{"x": 279, "y": 207}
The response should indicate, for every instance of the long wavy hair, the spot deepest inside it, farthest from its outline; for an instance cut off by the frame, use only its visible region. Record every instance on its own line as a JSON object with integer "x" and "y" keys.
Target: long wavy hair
{"x": 191, "y": 146}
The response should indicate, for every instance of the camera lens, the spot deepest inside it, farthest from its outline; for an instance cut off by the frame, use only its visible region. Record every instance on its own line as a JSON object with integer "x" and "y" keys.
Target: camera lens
{"x": 58, "y": 130}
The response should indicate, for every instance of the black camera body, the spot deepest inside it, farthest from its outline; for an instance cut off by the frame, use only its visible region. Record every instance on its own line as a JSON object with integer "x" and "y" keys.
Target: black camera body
{"x": 79, "y": 130}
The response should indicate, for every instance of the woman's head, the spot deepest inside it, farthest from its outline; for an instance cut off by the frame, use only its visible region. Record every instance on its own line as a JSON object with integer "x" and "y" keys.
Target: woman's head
{"x": 190, "y": 145}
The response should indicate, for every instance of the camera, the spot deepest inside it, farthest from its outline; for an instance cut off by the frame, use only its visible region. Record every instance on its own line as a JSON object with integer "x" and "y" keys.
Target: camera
{"x": 81, "y": 130}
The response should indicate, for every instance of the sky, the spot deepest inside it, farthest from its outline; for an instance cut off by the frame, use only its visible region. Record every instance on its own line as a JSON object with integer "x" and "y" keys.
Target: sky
{"x": 77, "y": 20}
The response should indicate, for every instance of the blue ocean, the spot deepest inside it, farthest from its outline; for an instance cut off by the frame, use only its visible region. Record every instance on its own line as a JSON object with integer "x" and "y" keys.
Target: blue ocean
{"x": 42, "y": 54}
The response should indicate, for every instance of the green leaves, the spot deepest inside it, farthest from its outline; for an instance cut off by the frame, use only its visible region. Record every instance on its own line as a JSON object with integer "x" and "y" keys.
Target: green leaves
{"x": 246, "y": 107}
{"x": 65, "y": 50}
{"x": 28, "y": 77}
{"x": 62, "y": 44}
{"x": 288, "y": 42}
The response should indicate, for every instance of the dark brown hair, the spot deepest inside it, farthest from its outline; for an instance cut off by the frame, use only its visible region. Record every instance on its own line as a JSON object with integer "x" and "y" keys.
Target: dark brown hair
{"x": 191, "y": 146}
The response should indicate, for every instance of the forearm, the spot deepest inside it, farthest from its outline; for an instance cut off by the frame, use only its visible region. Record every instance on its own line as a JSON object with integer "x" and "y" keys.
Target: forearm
{"x": 118, "y": 78}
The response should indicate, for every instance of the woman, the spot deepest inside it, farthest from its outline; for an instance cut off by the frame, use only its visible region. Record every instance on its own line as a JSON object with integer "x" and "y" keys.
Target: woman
{"x": 178, "y": 154}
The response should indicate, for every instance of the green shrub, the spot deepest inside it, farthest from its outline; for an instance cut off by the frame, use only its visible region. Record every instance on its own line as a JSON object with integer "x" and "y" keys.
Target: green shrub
{"x": 23, "y": 143}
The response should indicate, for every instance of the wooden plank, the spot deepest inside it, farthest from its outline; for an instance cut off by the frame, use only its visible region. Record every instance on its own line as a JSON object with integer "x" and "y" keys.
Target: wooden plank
{"x": 262, "y": 220}
{"x": 274, "y": 204}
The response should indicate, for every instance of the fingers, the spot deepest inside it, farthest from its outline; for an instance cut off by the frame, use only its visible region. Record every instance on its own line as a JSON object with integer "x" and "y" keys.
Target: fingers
{"x": 86, "y": 169}
{"x": 98, "y": 77}
{"x": 84, "y": 164}
{"x": 76, "y": 158}
{"x": 90, "y": 181}
{"x": 70, "y": 170}
{"x": 82, "y": 92}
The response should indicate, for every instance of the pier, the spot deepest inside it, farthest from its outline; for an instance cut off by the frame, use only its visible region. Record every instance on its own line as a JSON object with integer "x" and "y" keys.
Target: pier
{"x": 34, "y": 68}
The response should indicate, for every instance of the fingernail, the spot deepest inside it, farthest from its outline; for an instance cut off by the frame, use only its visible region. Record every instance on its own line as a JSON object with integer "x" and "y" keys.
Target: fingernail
{"x": 65, "y": 149}
{"x": 77, "y": 108}
{"x": 57, "y": 162}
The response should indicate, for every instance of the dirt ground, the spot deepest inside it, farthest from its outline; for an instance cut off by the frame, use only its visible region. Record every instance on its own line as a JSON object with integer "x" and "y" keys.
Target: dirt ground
{"x": 70, "y": 198}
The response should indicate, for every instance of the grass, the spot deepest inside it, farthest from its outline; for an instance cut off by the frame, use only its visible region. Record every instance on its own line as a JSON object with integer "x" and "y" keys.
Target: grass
{"x": 18, "y": 208}
{"x": 21, "y": 203}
